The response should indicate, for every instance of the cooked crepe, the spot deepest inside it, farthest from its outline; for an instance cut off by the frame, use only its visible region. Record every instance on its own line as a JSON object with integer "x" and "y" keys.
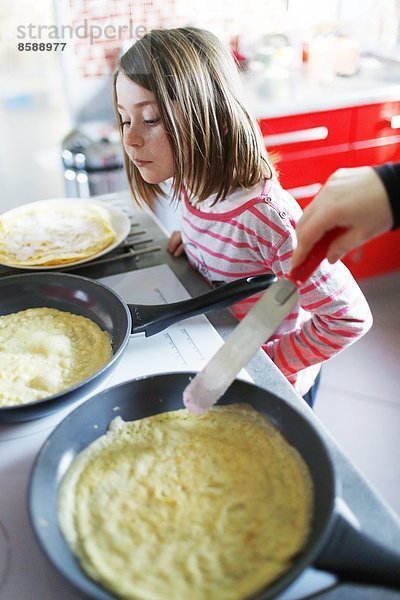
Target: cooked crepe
{"x": 44, "y": 351}
{"x": 54, "y": 235}
{"x": 181, "y": 506}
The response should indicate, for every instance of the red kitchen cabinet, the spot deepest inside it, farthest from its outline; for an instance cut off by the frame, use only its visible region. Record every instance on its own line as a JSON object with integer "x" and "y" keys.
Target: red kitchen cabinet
{"x": 375, "y": 139}
{"x": 307, "y": 148}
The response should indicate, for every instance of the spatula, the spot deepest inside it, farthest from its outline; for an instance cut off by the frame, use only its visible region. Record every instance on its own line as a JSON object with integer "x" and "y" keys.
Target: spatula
{"x": 254, "y": 329}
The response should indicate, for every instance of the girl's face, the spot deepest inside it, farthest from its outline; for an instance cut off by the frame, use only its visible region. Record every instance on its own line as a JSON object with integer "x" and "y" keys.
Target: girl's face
{"x": 144, "y": 138}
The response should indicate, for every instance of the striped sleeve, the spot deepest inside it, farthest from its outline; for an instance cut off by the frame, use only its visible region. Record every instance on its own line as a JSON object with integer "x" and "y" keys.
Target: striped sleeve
{"x": 334, "y": 313}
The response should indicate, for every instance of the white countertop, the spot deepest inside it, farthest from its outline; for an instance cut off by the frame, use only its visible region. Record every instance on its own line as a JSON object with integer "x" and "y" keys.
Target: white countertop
{"x": 278, "y": 92}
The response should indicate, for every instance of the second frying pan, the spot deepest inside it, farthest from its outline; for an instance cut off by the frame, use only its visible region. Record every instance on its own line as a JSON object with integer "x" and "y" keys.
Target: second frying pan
{"x": 105, "y": 307}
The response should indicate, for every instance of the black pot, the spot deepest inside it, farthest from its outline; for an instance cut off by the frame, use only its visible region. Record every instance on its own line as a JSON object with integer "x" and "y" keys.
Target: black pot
{"x": 334, "y": 543}
{"x": 105, "y": 307}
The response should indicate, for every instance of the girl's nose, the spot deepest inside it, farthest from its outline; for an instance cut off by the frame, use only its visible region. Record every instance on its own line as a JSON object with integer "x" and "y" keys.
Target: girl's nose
{"x": 132, "y": 137}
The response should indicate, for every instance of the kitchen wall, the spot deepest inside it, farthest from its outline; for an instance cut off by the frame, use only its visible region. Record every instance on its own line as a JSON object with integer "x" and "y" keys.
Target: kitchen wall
{"x": 114, "y": 24}
{"x": 111, "y": 26}
{"x": 96, "y": 31}
{"x": 26, "y": 73}
{"x": 34, "y": 114}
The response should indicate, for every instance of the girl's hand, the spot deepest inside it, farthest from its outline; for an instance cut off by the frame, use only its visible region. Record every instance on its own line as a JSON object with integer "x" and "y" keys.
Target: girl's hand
{"x": 175, "y": 246}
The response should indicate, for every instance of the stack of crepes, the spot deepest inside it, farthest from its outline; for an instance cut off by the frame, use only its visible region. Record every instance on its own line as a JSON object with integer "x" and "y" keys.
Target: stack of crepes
{"x": 54, "y": 234}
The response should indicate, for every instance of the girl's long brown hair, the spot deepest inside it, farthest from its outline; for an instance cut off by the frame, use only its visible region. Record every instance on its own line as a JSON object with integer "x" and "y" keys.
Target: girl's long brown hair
{"x": 217, "y": 146}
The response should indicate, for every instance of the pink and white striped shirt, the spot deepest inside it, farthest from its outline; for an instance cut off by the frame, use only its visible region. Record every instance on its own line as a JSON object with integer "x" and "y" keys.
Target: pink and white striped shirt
{"x": 253, "y": 232}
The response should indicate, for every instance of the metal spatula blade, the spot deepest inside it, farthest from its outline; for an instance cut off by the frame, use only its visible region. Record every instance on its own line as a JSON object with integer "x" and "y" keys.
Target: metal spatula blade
{"x": 253, "y": 330}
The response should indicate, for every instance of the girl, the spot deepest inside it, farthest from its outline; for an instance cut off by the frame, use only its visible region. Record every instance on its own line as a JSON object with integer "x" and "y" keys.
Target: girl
{"x": 178, "y": 100}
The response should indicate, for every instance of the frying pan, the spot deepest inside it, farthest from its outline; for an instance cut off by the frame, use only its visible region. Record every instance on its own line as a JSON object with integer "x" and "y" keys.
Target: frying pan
{"x": 334, "y": 544}
{"x": 105, "y": 307}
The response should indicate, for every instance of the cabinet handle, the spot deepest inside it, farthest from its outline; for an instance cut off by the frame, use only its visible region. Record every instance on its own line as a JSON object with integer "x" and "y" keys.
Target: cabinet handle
{"x": 395, "y": 122}
{"x": 305, "y": 191}
{"x": 293, "y": 137}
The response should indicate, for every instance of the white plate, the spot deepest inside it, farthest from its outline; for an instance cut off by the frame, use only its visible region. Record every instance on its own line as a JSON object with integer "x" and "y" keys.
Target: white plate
{"x": 119, "y": 221}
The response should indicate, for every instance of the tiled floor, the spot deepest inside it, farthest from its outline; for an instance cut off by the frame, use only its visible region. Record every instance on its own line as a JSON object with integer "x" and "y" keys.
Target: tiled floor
{"x": 359, "y": 398}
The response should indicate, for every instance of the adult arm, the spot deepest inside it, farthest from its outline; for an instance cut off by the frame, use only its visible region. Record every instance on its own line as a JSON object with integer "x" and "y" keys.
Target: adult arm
{"x": 389, "y": 174}
{"x": 363, "y": 200}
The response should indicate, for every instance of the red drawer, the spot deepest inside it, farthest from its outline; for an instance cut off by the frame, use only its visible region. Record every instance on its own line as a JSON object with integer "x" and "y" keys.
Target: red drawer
{"x": 295, "y": 136}
{"x": 376, "y": 134}
{"x": 308, "y": 148}
{"x": 376, "y": 121}
{"x": 304, "y": 177}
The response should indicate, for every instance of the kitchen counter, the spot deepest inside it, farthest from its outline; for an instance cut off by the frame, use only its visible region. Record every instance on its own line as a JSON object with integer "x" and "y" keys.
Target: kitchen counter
{"x": 374, "y": 515}
{"x": 279, "y": 92}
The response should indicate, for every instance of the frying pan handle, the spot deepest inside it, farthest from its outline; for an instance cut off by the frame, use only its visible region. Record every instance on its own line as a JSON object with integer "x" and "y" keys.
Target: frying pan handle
{"x": 354, "y": 556}
{"x": 152, "y": 318}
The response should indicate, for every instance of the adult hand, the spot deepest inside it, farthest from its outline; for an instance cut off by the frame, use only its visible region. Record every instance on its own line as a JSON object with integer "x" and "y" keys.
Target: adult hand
{"x": 175, "y": 245}
{"x": 355, "y": 199}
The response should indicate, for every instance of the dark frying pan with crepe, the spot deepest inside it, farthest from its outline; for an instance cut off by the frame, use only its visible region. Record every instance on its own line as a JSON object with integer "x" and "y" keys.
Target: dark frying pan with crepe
{"x": 335, "y": 544}
{"x": 105, "y": 307}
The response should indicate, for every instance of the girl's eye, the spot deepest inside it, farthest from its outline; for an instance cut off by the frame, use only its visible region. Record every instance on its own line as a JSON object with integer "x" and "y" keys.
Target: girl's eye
{"x": 123, "y": 123}
{"x": 151, "y": 122}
